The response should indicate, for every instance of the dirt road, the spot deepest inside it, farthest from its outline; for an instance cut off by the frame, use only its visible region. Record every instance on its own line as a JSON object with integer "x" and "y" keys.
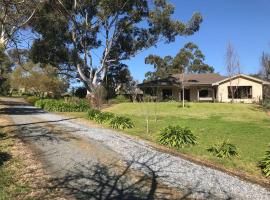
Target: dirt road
{"x": 95, "y": 163}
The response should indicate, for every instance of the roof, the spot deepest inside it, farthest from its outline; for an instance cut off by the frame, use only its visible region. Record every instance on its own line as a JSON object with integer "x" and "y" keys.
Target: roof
{"x": 189, "y": 80}
{"x": 243, "y": 76}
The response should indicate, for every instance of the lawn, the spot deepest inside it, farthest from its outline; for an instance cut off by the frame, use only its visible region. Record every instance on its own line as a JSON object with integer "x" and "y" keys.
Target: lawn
{"x": 247, "y": 126}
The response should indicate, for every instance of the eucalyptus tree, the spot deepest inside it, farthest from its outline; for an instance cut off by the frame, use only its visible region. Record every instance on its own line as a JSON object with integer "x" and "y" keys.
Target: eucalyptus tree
{"x": 14, "y": 15}
{"x": 103, "y": 33}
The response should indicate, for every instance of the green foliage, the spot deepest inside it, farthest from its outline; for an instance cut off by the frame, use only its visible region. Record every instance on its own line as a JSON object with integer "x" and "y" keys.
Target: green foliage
{"x": 177, "y": 137}
{"x": 53, "y": 105}
{"x": 119, "y": 99}
{"x": 117, "y": 122}
{"x": 32, "y": 99}
{"x": 120, "y": 122}
{"x": 223, "y": 150}
{"x": 5, "y": 70}
{"x": 266, "y": 104}
{"x": 264, "y": 164}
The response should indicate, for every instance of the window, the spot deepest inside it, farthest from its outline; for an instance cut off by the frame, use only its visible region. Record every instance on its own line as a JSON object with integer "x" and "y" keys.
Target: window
{"x": 167, "y": 93}
{"x": 205, "y": 93}
{"x": 240, "y": 92}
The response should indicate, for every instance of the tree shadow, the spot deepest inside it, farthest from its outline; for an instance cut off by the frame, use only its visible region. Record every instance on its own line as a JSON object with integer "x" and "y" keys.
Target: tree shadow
{"x": 21, "y": 110}
{"x": 4, "y": 156}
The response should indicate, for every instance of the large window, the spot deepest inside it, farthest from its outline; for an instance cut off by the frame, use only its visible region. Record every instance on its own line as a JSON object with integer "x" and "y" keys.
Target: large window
{"x": 240, "y": 92}
{"x": 203, "y": 93}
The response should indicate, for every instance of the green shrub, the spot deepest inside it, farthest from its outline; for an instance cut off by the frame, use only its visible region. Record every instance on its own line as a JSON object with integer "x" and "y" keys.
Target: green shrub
{"x": 266, "y": 104}
{"x": 177, "y": 137}
{"x": 103, "y": 117}
{"x": 92, "y": 113}
{"x": 223, "y": 150}
{"x": 32, "y": 99}
{"x": 264, "y": 164}
{"x": 120, "y": 122}
{"x": 119, "y": 99}
{"x": 53, "y": 105}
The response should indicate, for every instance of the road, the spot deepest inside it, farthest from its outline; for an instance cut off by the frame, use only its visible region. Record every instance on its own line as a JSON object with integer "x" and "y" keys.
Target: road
{"x": 90, "y": 162}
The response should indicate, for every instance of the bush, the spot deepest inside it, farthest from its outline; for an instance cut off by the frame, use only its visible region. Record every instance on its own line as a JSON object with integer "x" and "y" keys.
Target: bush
{"x": 223, "y": 150}
{"x": 264, "y": 164}
{"x": 92, "y": 113}
{"x": 53, "y": 105}
{"x": 119, "y": 99}
{"x": 266, "y": 104}
{"x": 120, "y": 122}
{"x": 32, "y": 100}
{"x": 177, "y": 137}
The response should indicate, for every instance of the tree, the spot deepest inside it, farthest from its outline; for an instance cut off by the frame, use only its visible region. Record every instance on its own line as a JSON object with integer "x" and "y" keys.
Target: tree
{"x": 265, "y": 63}
{"x": 38, "y": 80}
{"x": 232, "y": 67}
{"x": 5, "y": 70}
{"x": 14, "y": 14}
{"x": 116, "y": 30}
{"x": 118, "y": 79}
{"x": 162, "y": 67}
{"x": 189, "y": 57}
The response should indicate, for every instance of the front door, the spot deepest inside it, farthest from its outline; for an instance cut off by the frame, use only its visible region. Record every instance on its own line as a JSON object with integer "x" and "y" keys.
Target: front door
{"x": 186, "y": 95}
{"x": 166, "y": 94}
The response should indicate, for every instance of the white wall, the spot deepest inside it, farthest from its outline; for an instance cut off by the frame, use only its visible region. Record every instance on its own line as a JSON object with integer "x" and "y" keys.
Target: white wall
{"x": 257, "y": 92}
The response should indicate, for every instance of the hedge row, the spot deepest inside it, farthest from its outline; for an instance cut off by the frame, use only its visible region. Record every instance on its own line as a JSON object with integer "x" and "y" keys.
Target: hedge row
{"x": 53, "y": 105}
{"x": 116, "y": 122}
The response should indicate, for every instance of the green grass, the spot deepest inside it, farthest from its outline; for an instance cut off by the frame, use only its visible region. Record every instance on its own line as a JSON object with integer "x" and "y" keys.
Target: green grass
{"x": 247, "y": 126}
{"x": 10, "y": 188}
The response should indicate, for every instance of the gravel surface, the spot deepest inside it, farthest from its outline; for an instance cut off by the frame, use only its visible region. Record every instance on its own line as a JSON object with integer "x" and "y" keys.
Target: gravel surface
{"x": 195, "y": 180}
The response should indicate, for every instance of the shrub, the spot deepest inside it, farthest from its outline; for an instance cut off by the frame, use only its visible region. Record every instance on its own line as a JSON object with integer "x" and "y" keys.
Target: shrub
{"x": 120, "y": 122}
{"x": 32, "y": 99}
{"x": 264, "y": 164}
{"x": 177, "y": 137}
{"x": 62, "y": 106}
{"x": 266, "y": 104}
{"x": 103, "y": 117}
{"x": 91, "y": 113}
{"x": 223, "y": 150}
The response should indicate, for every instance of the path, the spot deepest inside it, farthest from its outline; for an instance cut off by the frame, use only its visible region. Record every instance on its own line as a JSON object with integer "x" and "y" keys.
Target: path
{"x": 96, "y": 163}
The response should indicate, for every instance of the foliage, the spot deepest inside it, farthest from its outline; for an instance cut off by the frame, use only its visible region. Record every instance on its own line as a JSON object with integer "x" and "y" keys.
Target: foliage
{"x": 92, "y": 113}
{"x": 5, "y": 70}
{"x": 264, "y": 164}
{"x": 117, "y": 122}
{"x": 121, "y": 122}
{"x": 116, "y": 34}
{"x": 266, "y": 104}
{"x": 32, "y": 99}
{"x": 223, "y": 150}
{"x": 190, "y": 59}
{"x": 38, "y": 80}
{"x": 53, "y": 105}
{"x": 119, "y": 99}
{"x": 177, "y": 137}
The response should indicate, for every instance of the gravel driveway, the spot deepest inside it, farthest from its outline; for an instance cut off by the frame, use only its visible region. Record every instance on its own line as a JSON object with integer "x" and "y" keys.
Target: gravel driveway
{"x": 98, "y": 163}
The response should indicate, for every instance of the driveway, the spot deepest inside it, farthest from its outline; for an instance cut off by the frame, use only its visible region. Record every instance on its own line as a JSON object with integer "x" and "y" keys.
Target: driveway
{"x": 89, "y": 162}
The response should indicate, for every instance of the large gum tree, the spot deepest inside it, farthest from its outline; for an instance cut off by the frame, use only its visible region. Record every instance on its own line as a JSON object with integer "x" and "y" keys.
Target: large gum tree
{"x": 90, "y": 36}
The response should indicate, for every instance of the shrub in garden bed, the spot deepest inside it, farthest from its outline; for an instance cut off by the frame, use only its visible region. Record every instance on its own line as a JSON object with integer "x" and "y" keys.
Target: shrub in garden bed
{"x": 117, "y": 122}
{"x": 32, "y": 99}
{"x": 264, "y": 164}
{"x": 223, "y": 150}
{"x": 62, "y": 106}
{"x": 177, "y": 137}
{"x": 120, "y": 122}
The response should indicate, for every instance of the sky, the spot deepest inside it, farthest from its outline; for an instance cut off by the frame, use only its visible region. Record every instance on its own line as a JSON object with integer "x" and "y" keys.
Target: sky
{"x": 243, "y": 23}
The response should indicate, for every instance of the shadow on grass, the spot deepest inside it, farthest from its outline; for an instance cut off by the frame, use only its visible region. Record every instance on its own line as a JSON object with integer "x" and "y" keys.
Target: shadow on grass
{"x": 4, "y": 156}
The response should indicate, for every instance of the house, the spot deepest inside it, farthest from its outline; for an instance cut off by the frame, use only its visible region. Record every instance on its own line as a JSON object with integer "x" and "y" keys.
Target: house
{"x": 206, "y": 87}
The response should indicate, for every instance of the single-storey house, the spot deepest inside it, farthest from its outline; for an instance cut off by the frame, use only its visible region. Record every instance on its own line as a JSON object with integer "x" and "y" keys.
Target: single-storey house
{"x": 206, "y": 87}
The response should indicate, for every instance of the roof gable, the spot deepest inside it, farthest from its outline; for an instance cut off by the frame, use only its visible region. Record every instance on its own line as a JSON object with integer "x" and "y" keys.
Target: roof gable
{"x": 241, "y": 76}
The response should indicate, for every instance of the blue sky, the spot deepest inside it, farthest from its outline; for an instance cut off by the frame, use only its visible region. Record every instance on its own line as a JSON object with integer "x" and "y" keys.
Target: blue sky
{"x": 245, "y": 23}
